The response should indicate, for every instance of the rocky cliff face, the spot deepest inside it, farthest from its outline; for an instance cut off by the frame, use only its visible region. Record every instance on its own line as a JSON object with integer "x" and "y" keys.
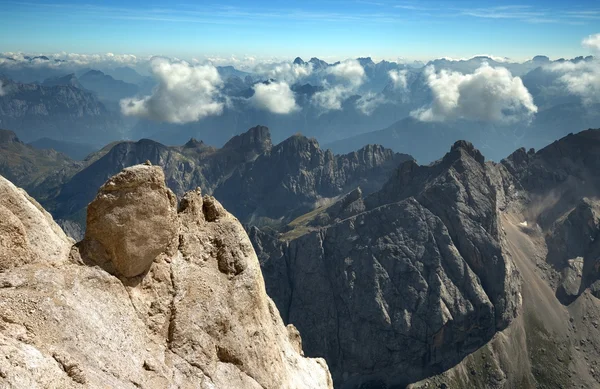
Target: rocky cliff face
{"x": 410, "y": 279}
{"x": 296, "y": 175}
{"x": 155, "y": 296}
{"x": 465, "y": 273}
{"x": 562, "y": 185}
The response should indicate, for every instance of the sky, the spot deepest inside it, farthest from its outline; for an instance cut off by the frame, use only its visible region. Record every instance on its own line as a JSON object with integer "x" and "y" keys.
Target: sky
{"x": 328, "y": 29}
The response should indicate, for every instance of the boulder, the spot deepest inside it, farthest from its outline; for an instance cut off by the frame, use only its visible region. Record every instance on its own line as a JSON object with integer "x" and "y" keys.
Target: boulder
{"x": 131, "y": 221}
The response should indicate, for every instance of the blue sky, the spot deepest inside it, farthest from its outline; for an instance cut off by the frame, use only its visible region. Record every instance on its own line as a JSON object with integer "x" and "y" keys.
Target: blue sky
{"x": 328, "y": 28}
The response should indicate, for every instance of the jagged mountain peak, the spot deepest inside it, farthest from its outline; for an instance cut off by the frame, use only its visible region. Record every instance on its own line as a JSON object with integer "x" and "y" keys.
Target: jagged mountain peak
{"x": 299, "y": 61}
{"x": 296, "y": 143}
{"x": 257, "y": 139}
{"x": 194, "y": 143}
{"x": 365, "y": 61}
{"x": 466, "y": 147}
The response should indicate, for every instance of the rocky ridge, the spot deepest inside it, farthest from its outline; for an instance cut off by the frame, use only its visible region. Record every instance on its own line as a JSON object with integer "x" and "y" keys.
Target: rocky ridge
{"x": 463, "y": 273}
{"x": 155, "y": 296}
{"x": 260, "y": 183}
{"x": 411, "y": 278}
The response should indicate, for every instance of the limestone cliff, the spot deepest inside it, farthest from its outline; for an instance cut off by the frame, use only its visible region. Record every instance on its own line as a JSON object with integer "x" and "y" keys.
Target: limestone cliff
{"x": 155, "y": 296}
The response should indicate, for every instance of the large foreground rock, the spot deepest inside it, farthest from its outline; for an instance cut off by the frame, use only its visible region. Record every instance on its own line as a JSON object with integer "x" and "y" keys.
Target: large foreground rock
{"x": 197, "y": 316}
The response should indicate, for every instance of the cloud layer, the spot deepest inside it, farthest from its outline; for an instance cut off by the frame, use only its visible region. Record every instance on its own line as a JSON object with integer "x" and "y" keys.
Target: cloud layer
{"x": 369, "y": 102}
{"x": 275, "y": 97}
{"x": 489, "y": 94}
{"x": 581, "y": 79}
{"x": 185, "y": 93}
{"x": 69, "y": 60}
{"x": 285, "y": 71}
{"x": 348, "y": 77}
{"x": 399, "y": 78}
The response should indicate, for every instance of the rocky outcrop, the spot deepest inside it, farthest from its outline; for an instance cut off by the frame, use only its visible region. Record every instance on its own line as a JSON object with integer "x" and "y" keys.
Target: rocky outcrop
{"x": 410, "y": 279}
{"x": 186, "y": 306}
{"x": 28, "y": 232}
{"x": 131, "y": 221}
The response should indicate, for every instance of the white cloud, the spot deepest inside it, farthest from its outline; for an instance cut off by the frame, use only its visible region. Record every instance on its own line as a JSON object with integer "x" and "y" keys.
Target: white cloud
{"x": 184, "y": 93}
{"x": 331, "y": 98}
{"x": 478, "y": 56}
{"x": 276, "y": 97}
{"x": 399, "y": 78}
{"x": 284, "y": 71}
{"x": 69, "y": 60}
{"x": 592, "y": 42}
{"x": 245, "y": 63}
{"x": 348, "y": 77}
{"x": 489, "y": 94}
{"x": 581, "y": 78}
{"x": 369, "y": 102}
{"x": 349, "y": 71}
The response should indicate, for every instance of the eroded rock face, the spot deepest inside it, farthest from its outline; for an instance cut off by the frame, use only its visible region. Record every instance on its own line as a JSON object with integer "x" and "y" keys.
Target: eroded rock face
{"x": 131, "y": 221}
{"x": 196, "y": 316}
{"x": 403, "y": 283}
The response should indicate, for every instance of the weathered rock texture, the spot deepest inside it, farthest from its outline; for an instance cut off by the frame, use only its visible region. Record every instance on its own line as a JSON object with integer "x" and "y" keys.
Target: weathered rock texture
{"x": 562, "y": 186}
{"x": 132, "y": 220}
{"x": 403, "y": 283}
{"x": 190, "y": 315}
{"x": 460, "y": 274}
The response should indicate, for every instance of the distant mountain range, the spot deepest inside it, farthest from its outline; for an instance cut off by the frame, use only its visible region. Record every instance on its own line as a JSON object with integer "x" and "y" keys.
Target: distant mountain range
{"x": 427, "y": 140}
{"x": 378, "y": 110}
{"x": 61, "y": 110}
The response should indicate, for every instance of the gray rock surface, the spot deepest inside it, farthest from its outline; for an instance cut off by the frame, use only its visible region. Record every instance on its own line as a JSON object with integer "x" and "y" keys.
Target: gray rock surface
{"x": 403, "y": 283}
{"x": 199, "y": 317}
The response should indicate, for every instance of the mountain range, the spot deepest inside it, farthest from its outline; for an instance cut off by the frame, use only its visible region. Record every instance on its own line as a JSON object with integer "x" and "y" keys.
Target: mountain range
{"x": 264, "y": 184}
{"x": 57, "y": 111}
{"x": 460, "y": 273}
{"x": 374, "y": 106}
{"x": 451, "y": 273}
